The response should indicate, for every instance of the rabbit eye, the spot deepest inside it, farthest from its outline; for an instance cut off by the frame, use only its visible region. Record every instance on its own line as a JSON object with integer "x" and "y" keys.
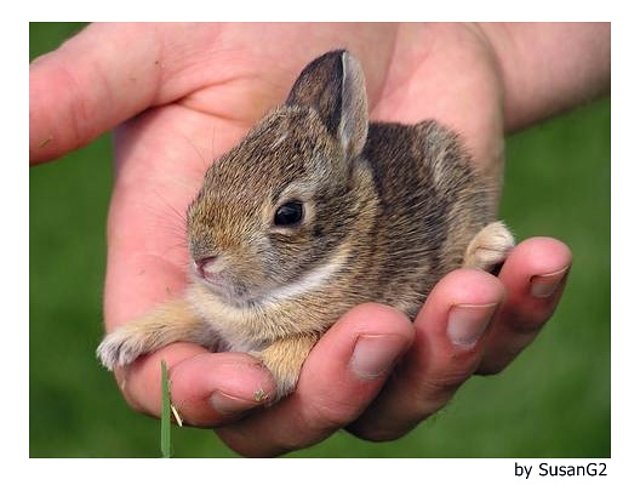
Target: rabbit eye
{"x": 289, "y": 214}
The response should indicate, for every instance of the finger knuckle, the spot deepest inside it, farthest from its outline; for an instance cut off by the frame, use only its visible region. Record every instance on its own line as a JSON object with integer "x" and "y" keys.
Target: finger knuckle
{"x": 491, "y": 368}
{"x": 499, "y": 357}
{"x": 433, "y": 393}
{"x": 329, "y": 415}
{"x": 526, "y": 321}
{"x": 379, "y": 434}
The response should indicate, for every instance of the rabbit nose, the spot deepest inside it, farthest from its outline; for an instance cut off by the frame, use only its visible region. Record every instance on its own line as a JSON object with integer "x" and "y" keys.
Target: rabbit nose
{"x": 202, "y": 264}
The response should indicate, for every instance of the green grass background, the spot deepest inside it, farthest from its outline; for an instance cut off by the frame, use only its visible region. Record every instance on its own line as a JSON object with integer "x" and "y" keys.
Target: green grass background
{"x": 553, "y": 401}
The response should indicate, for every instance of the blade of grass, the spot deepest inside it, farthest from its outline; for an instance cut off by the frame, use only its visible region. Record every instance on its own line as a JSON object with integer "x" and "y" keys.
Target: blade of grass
{"x": 165, "y": 418}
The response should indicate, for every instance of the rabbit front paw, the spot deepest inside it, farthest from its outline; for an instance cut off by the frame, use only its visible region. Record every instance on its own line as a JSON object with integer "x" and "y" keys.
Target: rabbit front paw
{"x": 121, "y": 347}
{"x": 284, "y": 359}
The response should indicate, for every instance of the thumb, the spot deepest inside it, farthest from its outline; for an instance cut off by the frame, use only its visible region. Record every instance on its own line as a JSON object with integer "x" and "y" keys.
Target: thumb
{"x": 97, "y": 79}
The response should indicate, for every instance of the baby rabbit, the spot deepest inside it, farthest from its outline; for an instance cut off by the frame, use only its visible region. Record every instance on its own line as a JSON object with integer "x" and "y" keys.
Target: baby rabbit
{"x": 314, "y": 212}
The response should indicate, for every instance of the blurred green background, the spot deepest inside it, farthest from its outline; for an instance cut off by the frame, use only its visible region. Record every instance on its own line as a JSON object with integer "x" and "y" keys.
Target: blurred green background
{"x": 553, "y": 401}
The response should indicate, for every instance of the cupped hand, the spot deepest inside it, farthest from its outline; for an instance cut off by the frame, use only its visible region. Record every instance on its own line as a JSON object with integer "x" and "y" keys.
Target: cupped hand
{"x": 181, "y": 95}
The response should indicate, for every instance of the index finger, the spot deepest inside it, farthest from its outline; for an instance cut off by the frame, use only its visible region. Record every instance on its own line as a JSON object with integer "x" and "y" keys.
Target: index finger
{"x": 97, "y": 79}
{"x": 207, "y": 388}
{"x": 341, "y": 376}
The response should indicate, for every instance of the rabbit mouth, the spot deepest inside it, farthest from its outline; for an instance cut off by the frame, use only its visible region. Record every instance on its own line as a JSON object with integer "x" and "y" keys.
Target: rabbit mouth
{"x": 227, "y": 289}
{"x": 229, "y": 292}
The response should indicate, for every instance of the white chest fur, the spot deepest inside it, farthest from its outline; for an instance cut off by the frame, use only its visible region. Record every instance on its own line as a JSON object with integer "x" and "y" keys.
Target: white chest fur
{"x": 280, "y": 313}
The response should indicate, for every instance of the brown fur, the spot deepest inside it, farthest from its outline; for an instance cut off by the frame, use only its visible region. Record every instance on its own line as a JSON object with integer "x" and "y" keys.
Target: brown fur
{"x": 389, "y": 209}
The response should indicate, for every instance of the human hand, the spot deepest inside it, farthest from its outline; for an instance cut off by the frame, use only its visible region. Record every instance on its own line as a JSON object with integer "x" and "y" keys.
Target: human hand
{"x": 209, "y": 94}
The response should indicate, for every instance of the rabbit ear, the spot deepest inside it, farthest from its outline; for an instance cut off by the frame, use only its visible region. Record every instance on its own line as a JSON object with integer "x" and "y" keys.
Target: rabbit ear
{"x": 333, "y": 84}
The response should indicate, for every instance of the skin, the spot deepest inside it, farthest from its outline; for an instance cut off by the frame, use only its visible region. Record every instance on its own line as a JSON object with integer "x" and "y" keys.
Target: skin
{"x": 181, "y": 95}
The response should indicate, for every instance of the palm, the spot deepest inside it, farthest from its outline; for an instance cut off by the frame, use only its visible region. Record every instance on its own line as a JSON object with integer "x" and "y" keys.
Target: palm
{"x": 162, "y": 154}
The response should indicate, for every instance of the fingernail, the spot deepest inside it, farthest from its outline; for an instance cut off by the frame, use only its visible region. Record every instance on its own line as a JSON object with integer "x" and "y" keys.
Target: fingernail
{"x": 543, "y": 286}
{"x": 467, "y": 323}
{"x": 226, "y": 404}
{"x": 375, "y": 355}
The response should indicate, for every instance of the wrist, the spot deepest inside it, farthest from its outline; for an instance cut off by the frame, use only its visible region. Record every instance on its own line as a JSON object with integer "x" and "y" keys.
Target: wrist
{"x": 548, "y": 68}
